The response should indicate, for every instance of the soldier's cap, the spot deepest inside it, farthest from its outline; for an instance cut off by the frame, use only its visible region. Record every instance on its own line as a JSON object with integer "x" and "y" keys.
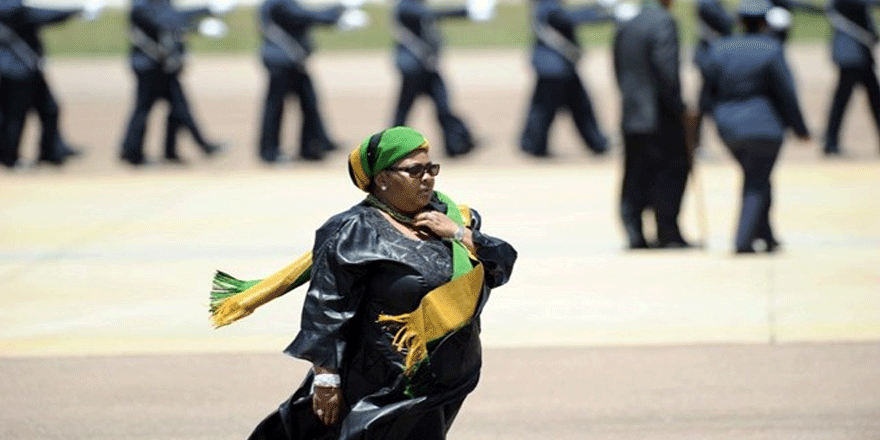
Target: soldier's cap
{"x": 753, "y": 8}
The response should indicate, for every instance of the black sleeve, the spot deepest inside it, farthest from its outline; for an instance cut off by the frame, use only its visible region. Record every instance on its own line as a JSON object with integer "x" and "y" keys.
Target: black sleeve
{"x": 496, "y": 255}
{"x": 334, "y": 293}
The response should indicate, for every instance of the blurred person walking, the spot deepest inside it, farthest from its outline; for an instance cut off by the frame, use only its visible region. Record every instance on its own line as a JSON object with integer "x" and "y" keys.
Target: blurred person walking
{"x": 555, "y": 55}
{"x": 656, "y": 154}
{"x": 750, "y": 92}
{"x": 157, "y": 57}
{"x": 417, "y": 56}
{"x": 23, "y": 84}
{"x": 287, "y": 43}
{"x": 852, "y": 42}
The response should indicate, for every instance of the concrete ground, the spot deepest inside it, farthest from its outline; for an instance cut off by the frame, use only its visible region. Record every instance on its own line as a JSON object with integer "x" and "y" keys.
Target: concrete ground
{"x": 105, "y": 269}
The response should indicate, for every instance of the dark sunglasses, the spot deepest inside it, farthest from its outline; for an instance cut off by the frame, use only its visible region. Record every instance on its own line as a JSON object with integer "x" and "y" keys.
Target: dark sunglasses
{"x": 418, "y": 170}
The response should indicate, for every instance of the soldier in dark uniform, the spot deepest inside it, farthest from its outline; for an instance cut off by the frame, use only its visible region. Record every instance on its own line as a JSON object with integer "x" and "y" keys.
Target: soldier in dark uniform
{"x": 418, "y": 42}
{"x": 23, "y": 84}
{"x": 656, "y": 163}
{"x": 157, "y": 58}
{"x": 852, "y": 46}
{"x": 555, "y": 55}
{"x": 285, "y": 27}
{"x": 751, "y": 95}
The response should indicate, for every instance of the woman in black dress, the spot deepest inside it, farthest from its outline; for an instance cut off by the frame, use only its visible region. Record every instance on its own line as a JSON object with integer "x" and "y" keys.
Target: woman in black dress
{"x": 391, "y": 318}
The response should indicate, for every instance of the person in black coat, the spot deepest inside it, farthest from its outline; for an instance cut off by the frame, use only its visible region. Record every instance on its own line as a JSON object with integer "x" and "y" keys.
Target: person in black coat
{"x": 656, "y": 157}
{"x": 23, "y": 85}
{"x": 555, "y": 55}
{"x": 417, "y": 51}
{"x": 852, "y": 44}
{"x": 285, "y": 26}
{"x": 157, "y": 58}
{"x": 750, "y": 93}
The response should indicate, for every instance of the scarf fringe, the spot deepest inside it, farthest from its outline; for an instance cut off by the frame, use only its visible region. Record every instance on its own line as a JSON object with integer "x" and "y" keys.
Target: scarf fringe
{"x": 407, "y": 340}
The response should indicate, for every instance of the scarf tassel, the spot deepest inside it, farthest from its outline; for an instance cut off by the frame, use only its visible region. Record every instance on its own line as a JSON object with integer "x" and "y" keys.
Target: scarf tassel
{"x": 409, "y": 339}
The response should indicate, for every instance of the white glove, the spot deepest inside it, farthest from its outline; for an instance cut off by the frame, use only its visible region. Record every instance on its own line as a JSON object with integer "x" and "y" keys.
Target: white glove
{"x": 353, "y": 19}
{"x": 213, "y": 28}
{"x": 220, "y": 7}
{"x": 779, "y": 19}
{"x": 481, "y": 10}
{"x": 625, "y": 11}
{"x": 608, "y": 4}
{"x": 92, "y": 9}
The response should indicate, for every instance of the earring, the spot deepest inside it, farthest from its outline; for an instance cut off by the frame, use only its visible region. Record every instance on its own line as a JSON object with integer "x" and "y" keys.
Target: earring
{"x": 383, "y": 187}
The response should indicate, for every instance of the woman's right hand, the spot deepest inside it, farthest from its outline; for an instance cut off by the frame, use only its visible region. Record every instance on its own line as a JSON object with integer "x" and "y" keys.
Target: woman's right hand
{"x": 327, "y": 404}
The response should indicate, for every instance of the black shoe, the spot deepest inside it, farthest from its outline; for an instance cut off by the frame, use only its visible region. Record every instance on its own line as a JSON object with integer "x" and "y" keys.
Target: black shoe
{"x": 174, "y": 160}
{"x": 675, "y": 244}
{"x": 67, "y": 151}
{"x": 831, "y": 150}
{"x": 539, "y": 154}
{"x": 134, "y": 160}
{"x": 639, "y": 245}
{"x": 213, "y": 150}
{"x": 54, "y": 161}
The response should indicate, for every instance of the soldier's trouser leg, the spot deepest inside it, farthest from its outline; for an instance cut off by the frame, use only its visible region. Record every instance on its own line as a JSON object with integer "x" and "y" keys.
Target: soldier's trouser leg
{"x": 149, "y": 89}
{"x": 180, "y": 115}
{"x": 635, "y": 185}
{"x": 578, "y": 102}
{"x": 15, "y": 99}
{"x": 313, "y": 136}
{"x": 869, "y": 79}
{"x": 756, "y": 160}
{"x": 546, "y": 99}
{"x": 47, "y": 109}
{"x": 411, "y": 86}
{"x": 456, "y": 134}
{"x": 670, "y": 158}
{"x": 273, "y": 111}
{"x": 845, "y": 84}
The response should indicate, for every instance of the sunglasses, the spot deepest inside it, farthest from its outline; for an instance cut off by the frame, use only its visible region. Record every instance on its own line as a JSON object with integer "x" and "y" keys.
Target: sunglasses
{"x": 419, "y": 170}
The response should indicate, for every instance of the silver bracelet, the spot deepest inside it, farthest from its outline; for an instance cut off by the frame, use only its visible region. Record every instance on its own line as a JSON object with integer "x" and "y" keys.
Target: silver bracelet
{"x": 327, "y": 380}
{"x": 459, "y": 234}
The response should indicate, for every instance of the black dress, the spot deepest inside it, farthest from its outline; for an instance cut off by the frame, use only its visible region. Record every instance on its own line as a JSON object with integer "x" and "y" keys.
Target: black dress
{"x": 364, "y": 267}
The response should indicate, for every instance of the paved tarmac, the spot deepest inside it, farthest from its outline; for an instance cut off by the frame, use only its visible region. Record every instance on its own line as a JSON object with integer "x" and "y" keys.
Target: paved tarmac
{"x": 105, "y": 269}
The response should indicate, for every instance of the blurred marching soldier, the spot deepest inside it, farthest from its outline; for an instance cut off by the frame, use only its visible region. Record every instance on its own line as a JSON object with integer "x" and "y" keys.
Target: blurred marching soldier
{"x": 285, "y": 26}
{"x": 555, "y": 55}
{"x": 714, "y": 23}
{"x": 23, "y": 85}
{"x": 157, "y": 58}
{"x": 418, "y": 41}
{"x": 750, "y": 92}
{"x": 852, "y": 46}
{"x": 656, "y": 162}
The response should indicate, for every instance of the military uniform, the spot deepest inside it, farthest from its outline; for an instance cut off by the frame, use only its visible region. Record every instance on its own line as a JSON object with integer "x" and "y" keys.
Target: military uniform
{"x": 656, "y": 163}
{"x": 417, "y": 52}
{"x": 555, "y": 55}
{"x": 751, "y": 95}
{"x": 23, "y": 83}
{"x": 157, "y": 58}
{"x": 852, "y": 44}
{"x": 285, "y": 27}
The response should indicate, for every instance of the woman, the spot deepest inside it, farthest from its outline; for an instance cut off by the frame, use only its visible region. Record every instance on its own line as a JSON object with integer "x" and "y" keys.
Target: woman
{"x": 394, "y": 343}
{"x": 750, "y": 93}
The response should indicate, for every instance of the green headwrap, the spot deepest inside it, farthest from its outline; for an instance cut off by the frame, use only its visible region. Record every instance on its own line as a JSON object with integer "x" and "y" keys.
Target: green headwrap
{"x": 380, "y": 151}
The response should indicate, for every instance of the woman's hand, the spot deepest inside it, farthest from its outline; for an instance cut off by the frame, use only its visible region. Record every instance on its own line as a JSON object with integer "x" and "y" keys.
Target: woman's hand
{"x": 327, "y": 404}
{"x": 327, "y": 396}
{"x": 443, "y": 226}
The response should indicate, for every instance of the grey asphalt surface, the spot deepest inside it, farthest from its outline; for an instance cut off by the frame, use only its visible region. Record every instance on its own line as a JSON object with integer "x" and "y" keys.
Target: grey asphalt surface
{"x": 104, "y": 269}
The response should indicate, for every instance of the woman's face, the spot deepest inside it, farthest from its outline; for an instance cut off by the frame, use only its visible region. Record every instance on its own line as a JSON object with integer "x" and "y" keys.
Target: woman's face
{"x": 409, "y": 184}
